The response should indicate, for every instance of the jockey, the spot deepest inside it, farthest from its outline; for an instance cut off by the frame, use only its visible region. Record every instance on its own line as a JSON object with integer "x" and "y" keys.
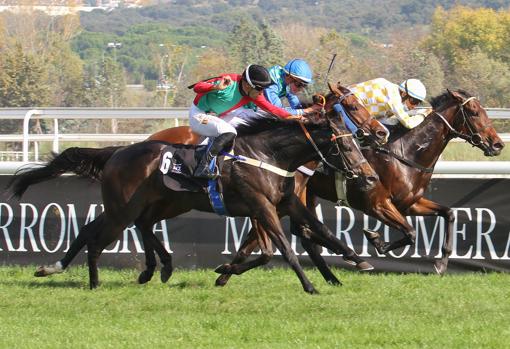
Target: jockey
{"x": 390, "y": 103}
{"x": 288, "y": 81}
{"x": 221, "y": 97}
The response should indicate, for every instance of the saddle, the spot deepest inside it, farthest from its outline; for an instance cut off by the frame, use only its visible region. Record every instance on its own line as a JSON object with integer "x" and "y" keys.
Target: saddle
{"x": 177, "y": 163}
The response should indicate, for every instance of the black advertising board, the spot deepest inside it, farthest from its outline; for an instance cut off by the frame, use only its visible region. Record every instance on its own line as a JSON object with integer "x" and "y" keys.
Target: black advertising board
{"x": 39, "y": 228}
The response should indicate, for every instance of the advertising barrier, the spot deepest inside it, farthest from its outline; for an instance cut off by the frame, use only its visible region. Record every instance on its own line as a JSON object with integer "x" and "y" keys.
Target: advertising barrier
{"x": 39, "y": 228}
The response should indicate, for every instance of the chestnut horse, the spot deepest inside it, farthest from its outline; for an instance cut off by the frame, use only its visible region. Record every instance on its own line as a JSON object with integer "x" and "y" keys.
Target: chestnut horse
{"x": 405, "y": 167}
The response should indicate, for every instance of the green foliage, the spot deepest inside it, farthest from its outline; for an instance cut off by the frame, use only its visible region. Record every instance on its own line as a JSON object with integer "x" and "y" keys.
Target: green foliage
{"x": 254, "y": 43}
{"x": 23, "y": 80}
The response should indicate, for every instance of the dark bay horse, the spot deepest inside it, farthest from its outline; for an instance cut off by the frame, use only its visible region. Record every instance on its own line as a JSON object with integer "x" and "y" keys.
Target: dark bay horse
{"x": 248, "y": 191}
{"x": 80, "y": 160}
{"x": 405, "y": 168}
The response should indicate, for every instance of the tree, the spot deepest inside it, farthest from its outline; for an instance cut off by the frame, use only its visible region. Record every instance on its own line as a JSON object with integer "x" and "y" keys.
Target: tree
{"x": 463, "y": 28}
{"x": 252, "y": 43}
{"x": 484, "y": 77}
{"x": 23, "y": 80}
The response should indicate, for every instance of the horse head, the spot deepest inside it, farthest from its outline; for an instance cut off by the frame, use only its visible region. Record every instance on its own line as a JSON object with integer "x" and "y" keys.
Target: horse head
{"x": 467, "y": 119}
{"x": 357, "y": 113}
{"x": 352, "y": 162}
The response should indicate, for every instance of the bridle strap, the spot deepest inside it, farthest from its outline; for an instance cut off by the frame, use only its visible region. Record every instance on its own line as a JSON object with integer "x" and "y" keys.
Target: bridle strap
{"x": 309, "y": 137}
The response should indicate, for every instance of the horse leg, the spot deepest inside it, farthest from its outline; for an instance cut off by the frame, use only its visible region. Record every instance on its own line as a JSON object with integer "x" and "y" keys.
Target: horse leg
{"x": 425, "y": 207}
{"x": 320, "y": 234}
{"x": 266, "y": 248}
{"x": 388, "y": 214}
{"x": 74, "y": 249}
{"x": 270, "y": 222}
{"x": 247, "y": 247}
{"x": 150, "y": 257}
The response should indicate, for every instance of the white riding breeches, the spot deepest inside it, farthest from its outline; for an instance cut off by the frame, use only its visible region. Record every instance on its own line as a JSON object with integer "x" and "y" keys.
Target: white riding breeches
{"x": 207, "y": 124}
{"x": 212, "y": 126}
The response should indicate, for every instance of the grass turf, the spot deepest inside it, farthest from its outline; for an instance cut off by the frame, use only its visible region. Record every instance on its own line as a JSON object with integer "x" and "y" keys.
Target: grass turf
{"x": 264, "y": 308}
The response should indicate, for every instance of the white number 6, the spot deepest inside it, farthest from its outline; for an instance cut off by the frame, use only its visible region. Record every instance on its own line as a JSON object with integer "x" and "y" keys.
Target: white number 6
{"x": 166, "y": 162}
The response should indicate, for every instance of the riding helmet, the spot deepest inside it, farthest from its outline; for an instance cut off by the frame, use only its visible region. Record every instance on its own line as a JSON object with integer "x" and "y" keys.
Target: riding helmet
{"x": 257, "y": 76}
{"x": 299, "y": 69}
{"x": 414, "y": 88}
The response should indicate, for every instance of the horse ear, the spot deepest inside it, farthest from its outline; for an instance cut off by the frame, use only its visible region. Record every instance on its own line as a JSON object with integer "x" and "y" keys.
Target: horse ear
{"x": 455, "y": 95}
{"x": 334, "y": 89}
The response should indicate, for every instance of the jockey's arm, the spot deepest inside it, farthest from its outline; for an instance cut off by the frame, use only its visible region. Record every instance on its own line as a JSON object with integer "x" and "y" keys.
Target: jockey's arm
{"x": 271, "y": 94}
{"x": 264, "y": 104}
{"x": 211, "y": 84}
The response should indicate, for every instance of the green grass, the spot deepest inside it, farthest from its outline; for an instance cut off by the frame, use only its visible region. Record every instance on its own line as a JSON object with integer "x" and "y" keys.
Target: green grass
{"x": 261, "y": 309}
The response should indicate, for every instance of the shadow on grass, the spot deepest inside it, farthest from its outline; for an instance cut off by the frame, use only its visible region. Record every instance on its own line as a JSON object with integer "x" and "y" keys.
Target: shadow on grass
{"x": 189, "y": 284}
{"x": 44, "y": 284}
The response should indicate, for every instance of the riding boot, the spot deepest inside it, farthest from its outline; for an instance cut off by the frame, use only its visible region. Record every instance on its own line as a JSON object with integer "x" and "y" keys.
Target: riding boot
{"x": 224, "y": 140}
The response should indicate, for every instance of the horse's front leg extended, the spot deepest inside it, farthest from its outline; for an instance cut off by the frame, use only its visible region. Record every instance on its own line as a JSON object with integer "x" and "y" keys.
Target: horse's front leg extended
{"x": 270, "y": 223}
{"x": 425, "y": 207}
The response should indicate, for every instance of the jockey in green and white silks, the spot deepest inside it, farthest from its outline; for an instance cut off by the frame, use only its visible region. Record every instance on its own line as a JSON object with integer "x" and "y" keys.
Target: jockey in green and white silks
{"x": 217, "y": 106}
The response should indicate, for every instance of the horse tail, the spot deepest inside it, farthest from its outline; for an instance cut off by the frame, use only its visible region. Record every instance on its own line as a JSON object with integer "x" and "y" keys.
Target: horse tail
{"x": 85, "y": 162}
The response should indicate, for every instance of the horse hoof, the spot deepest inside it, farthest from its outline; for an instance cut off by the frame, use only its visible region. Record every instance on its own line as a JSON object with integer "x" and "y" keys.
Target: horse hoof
{"x": 349, "y": 261}
{"x": 166, "y": 273}
{"x": 224, "y": 269}
{"x": 371, "y": 235}
{"x": 364, "y": 266}
{"x": 334, "y": 282}
{"x": 144, "y": 277}
{"x": 439, "y": 268}
{"x": 222, "y": 280}
{"x": 41, "y": 272}
{"x": 46, "y": 270}
{"x": 311, "y": 290}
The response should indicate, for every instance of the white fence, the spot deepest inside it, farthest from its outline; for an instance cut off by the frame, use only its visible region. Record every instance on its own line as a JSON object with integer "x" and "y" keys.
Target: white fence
{"x": 178, "y": 115}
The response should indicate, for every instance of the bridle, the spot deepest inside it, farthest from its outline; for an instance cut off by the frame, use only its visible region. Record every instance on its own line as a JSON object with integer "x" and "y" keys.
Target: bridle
{"x": 474, "y": 137}
{"x": 360, "y": 133}
{"x": 347, "y": 170}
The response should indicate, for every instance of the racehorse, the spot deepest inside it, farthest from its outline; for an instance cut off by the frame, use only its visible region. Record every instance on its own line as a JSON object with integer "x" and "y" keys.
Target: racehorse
{"x": 245, "y": 189}
{"x": 405, "y": 166}
{"x": 79, "y": 160}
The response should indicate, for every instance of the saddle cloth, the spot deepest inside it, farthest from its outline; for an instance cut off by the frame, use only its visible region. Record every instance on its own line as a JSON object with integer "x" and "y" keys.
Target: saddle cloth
{"x": 177, "y": 163}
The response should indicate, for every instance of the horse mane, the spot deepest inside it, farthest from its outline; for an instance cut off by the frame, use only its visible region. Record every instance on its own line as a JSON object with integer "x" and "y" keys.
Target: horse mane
{"x": 271, "y": 122}
{"x": 440, "y": 100}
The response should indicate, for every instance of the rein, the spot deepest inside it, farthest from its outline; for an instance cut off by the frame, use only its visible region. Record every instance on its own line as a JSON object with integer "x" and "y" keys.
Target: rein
{"x": 348, "y": 174}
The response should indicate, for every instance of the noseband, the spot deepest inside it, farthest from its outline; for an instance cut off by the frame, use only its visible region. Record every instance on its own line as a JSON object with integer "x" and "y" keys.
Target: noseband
{"x": 360, "y": 133}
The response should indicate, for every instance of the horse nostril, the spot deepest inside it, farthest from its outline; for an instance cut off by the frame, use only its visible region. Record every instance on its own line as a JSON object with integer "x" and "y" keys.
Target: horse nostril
{"x": 498, "y": 146}
{"x": 372, "y": 179}
{"x": 381, "y": 134}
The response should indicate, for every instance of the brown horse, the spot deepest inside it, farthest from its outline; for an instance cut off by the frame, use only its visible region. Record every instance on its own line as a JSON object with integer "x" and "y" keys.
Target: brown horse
{"x": 132, "y": 188}
{"x": 67, "y": 162}
{"x": 405, "y": 168}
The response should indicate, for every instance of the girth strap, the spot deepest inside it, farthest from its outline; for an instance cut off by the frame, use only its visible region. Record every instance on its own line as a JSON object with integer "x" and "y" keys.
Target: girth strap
{"x": 259, "y": 164}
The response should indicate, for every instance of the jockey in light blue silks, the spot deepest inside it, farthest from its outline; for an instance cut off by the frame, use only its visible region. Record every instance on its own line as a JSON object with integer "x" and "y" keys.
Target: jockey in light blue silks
{"x": 288, "y": 81}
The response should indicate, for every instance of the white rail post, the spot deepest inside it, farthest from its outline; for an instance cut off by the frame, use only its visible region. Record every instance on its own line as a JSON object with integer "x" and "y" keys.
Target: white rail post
{"x": 26, "y": 125}
{"x": 56, "y": 142}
